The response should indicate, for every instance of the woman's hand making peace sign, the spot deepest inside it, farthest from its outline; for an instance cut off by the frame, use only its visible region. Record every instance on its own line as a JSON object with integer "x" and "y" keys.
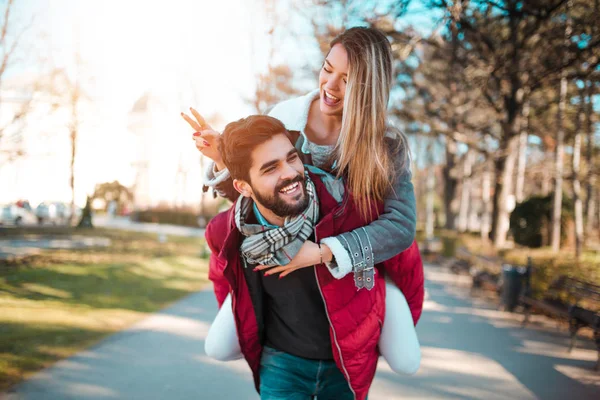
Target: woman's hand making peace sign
{"x": 206, "y": 138}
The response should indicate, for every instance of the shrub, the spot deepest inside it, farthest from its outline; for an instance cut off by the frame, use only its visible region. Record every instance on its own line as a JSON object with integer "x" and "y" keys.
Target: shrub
{"x": 531, "y": 221}
{"x": 162, "y": 216}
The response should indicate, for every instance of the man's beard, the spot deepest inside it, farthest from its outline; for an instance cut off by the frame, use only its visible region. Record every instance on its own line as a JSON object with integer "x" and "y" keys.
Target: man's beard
{"x": 279, "y": 206}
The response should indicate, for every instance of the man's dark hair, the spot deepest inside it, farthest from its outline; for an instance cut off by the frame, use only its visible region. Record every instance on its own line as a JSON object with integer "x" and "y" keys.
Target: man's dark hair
{"x": 241, "y": 137}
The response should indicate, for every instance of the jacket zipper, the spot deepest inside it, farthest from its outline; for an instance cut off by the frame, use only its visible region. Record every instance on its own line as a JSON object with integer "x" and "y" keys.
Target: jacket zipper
{"x": 233, "y": 301}
{"x": 341, "y": 207}
{"x": 332, "y": 328}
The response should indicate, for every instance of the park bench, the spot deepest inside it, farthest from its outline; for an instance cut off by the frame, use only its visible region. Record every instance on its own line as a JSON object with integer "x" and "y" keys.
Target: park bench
{"x": 431, "y": 246}
{"x": 484, "y": 270}
{"x": 573, "y": 300}
{"x": 462, "y": 262}
{"x": 461, "y": 265}
{"x": 483, "y": 279}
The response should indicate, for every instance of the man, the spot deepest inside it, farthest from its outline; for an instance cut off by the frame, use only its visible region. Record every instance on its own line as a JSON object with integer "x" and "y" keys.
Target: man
{"x": 308, "y": 334}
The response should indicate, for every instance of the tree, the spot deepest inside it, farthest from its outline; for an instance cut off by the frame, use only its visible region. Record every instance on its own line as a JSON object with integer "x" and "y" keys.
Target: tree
{"x": 430, "y": 193}
{"x": 591, "y": 175}
{"x": 465, "y": 196}
{"x": 558, "y": 179}
{"x": 113, "y": 191}
{"x": 512, "y": 46}
{"x": 275, "y": 84}
{"x": 589, "y": 110}
{"x": 67, "y": 93}
{"x": 15, "y": 102}
{"x": 485, "y": 200}
{"x": 74, "y": 98}
{"x": 578, "y": 211}
{"x": 490, "y": 77}
{"x": 272, "y": 87}
{"x": 86, "y": 215}
{"x": 452, "y": 107}
{"x": 522, "y": 162}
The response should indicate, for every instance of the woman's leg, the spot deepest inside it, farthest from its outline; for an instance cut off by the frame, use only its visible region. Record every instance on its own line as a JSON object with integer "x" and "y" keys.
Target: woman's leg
{"x": 222, "y": 343}
{"x": 398, "y": 343}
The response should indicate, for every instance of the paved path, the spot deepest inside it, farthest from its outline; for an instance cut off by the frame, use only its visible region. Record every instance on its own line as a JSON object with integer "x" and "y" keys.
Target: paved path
{"x": 470, "y": 351}
{"x": 26, "y": 246}
{"x": 125, "y": 224}
{"x": 23, "y": 247}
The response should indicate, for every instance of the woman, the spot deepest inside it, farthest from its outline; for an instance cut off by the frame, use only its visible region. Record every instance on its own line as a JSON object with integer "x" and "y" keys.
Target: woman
{"x": 344, "y": 128}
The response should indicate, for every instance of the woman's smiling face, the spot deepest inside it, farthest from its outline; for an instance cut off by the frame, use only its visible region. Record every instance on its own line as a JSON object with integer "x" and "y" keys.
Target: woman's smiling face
{"x": 332, "y": 81}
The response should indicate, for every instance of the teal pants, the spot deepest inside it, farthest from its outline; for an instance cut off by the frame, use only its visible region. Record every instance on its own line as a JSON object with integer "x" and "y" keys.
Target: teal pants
{"x": 284, "y": 376}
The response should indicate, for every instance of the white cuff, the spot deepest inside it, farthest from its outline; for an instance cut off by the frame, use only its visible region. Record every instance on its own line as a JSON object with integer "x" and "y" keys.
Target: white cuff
{"x": 212, "y": 177}
{"x": 341, "y": 264}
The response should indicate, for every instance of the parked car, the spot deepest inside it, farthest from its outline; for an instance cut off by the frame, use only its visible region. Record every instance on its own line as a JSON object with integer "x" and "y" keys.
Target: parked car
{"x": 12, "y": 214}
{"x": 55, "y": 213}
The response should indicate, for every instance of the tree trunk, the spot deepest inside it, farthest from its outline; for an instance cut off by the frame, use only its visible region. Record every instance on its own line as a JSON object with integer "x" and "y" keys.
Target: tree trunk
{"x": 591, "y": 177}
{"x": 519, "y": 192}
{"x": 485, "y": 202}
{"x": 450, "y": 183}
{"x": 465, "y": 196}
{"x": 472, "y": 223}
{"x": 72, "y": 167}
{"x": 545, "y": 182}
{"x": 598, "y": 207}
{"x": 558, "y": 190}
{"x": 429, "y": 215}
{"x": 504, "y": 166}
{"x": 506, "y": 160}
{"x": 576, "y": 184}
{"x": 73, "y": 138}
{"x": 559, "y": 168}
{"x": 590, "y": 213}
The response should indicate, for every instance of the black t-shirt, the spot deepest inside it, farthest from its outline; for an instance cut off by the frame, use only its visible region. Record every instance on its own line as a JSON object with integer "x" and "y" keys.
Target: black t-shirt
{"x": 292, "y": 311}
{"x": 294, "y": 315}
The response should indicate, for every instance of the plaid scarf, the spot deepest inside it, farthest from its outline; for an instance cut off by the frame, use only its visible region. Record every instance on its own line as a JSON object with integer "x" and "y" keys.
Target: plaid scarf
{"x": 279, "y": 245}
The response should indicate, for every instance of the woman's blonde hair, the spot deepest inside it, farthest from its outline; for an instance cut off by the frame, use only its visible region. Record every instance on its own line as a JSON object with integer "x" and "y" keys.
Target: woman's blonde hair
{"x": 363, "y": 151}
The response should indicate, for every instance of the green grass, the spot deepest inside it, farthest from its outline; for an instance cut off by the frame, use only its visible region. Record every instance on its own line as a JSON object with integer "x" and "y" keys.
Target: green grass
{"x": 63, "y": 301}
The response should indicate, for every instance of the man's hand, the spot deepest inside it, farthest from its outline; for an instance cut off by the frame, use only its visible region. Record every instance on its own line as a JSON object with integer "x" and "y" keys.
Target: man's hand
{"x": 308, "y": 256}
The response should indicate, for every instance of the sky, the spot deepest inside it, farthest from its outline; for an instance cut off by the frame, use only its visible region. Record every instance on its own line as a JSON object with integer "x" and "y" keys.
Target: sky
{"x": 185, "y": 53}
{"x": 132, "y": 46}
{"x": 182, "y": 53}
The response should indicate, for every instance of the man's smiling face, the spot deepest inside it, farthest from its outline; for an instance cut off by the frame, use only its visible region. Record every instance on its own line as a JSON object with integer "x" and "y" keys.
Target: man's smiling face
{"x": 277, "y": 179}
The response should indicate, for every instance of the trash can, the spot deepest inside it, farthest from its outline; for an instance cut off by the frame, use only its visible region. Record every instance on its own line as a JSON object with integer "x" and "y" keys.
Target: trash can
{"x": 513, "y": 278}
